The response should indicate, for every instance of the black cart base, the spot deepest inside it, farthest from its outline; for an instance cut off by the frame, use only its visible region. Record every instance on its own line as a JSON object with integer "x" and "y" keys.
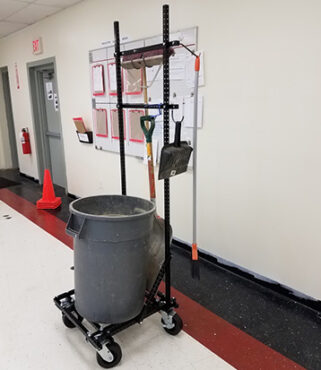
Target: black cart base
{"x": 108, "y": 352}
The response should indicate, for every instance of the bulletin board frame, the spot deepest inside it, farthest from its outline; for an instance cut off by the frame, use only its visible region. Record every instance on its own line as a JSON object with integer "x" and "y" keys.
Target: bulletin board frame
{"x": 182, "y": 83}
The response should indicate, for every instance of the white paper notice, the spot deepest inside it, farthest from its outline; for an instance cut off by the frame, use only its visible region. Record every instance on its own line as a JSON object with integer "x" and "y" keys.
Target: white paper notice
{"x": 177, "y": 67}
{"x": 98, "y": 79}
{"x": 112, "y": 77}
{"x": 158, "y": 131}
{"x": 189, "y": 112}
{"x": 83, "y": 137}
{"x": 49, "y": 90}
{"x": 154, "y": 73}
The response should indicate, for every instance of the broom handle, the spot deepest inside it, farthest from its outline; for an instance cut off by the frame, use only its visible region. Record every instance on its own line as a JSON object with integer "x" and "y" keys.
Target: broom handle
{"x": 150, "y": 159}
{"x": 197, "y": 66}
{"x": 145, "y": 89}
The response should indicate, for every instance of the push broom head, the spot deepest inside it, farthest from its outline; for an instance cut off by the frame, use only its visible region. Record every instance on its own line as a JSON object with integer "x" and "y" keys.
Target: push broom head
{"x": 146, "y": 59}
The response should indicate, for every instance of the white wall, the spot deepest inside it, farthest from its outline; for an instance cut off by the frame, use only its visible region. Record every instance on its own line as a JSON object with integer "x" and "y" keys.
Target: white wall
{"x": 259, "y": 150}
{"x": 5, "y": 151}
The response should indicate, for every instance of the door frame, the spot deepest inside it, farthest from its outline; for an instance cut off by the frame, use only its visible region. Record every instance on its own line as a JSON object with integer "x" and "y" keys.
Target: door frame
{"x": 39, "y": 115}
{"x": 9, "y": 118}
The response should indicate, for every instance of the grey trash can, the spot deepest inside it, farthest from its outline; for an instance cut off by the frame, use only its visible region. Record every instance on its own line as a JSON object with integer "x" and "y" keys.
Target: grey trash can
{"x": 111, "y": 239}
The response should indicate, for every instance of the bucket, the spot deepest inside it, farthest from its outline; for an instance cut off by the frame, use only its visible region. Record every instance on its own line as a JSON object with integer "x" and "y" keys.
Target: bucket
{"x": 111, "y": 240}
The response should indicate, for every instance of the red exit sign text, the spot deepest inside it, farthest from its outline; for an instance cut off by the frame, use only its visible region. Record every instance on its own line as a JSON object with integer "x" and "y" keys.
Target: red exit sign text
{"x": 37, "y": 46}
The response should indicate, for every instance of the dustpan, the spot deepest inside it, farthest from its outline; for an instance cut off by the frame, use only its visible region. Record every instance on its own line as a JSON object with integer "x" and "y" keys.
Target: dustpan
{"x": 174, "y": 156}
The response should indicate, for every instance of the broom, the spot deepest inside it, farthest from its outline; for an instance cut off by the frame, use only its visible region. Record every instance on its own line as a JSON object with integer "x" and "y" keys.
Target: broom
{"x": 195, "y": 261}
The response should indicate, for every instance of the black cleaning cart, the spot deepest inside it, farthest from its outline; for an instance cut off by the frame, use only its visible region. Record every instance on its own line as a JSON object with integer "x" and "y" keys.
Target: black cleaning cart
{"x": 101, "y": 336}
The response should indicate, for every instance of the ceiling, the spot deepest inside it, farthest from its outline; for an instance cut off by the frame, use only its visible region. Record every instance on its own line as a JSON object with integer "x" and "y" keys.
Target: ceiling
{"x": 18, "y": 14}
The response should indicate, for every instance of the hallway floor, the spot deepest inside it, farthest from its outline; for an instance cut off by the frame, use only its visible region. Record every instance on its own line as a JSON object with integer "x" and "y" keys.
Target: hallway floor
{"x": 34, "y": 267}
{"x": 229, "y": 321}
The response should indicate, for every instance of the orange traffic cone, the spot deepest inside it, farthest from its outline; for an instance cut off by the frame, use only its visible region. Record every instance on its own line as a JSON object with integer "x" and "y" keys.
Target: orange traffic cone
{"x": 49, "y": 199}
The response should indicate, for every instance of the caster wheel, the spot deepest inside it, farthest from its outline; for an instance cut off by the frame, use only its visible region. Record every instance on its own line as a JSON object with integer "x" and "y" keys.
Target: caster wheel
{"x": 178, "y": 322}
{"x": 116, "y": 356}
{"x": 68, "y": 323}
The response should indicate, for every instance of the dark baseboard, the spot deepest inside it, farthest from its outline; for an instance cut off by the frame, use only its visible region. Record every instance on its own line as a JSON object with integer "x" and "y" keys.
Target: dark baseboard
{"x": 278, "y": 288}
{"x": 29, "y": 177}
{"x": 72, "y": 196}
{"x": 315, "y": 305}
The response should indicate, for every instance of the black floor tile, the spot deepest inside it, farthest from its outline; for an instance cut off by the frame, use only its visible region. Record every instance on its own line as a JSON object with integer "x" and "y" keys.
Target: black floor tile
{"x": 280, "y": 323}
{"x": 31, "y": 191}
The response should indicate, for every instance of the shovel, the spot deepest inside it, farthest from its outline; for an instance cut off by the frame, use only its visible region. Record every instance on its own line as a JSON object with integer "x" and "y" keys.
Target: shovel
{"x": 156, "y": 249}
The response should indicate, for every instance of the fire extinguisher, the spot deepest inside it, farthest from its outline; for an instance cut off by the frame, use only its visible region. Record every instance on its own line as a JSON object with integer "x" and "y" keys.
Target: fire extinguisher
{"x": 25, "y": 141}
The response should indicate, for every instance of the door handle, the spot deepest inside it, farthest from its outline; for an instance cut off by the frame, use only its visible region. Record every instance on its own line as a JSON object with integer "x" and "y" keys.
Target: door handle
{"x": 53, "y": 134}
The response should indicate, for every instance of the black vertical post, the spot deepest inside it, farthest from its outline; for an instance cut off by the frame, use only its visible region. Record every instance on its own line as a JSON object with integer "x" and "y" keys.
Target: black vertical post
{"x": 166, "y": 92}
{"x": 120, "y": 110}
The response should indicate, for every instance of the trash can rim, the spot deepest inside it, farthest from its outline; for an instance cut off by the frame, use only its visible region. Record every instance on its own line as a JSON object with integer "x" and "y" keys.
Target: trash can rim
{"x": 110, "y": 218}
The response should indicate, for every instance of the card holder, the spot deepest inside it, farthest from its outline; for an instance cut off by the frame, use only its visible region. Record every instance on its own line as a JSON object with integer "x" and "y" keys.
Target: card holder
{"x": 114, "y": 124}
{"x": 135, "y": 131}
{"x": 101, "y": 122}
{"x": 98, "y": 81}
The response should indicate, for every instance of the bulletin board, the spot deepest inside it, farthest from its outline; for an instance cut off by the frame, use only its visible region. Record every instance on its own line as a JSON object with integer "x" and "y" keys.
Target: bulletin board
{"x": 104, "y": 96}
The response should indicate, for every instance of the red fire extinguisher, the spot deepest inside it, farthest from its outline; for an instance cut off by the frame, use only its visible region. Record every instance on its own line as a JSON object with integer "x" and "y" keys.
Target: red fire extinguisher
{"x": 25, "y": 141}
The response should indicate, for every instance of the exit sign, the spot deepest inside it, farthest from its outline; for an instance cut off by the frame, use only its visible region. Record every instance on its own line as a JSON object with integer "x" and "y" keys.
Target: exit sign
{"x": 37, "y": 46}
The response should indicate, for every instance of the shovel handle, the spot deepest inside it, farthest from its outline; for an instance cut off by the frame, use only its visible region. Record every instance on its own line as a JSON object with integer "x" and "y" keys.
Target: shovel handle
{"x": 148, "y": 131}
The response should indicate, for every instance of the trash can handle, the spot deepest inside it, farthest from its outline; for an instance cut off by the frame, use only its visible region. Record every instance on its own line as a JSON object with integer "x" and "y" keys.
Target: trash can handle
{"x": 72, "y": 229}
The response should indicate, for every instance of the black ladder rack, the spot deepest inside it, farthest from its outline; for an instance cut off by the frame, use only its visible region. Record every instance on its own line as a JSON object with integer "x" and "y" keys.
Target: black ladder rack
{"x": 149, "y": 106}
{"x": 166, "y": 45}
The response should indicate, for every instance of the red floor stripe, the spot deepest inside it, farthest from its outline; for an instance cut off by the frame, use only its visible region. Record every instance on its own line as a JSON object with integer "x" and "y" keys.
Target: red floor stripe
{"x": 228, "y": 342}
{"x": 50, "y": 223}
{"x": 231, "y": 344}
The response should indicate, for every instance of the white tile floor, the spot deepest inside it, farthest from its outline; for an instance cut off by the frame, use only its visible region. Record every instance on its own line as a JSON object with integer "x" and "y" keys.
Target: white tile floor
{"x": 34, "y": 267}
